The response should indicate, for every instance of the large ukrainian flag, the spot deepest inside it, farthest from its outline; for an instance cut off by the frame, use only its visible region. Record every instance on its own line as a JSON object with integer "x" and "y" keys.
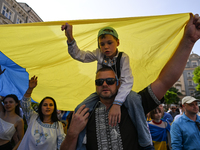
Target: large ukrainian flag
{"x": 40, "y": 49}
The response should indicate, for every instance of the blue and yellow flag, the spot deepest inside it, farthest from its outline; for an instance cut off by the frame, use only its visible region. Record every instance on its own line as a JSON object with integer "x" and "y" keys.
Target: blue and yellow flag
{"x": 40, "y": 49}
{"x": 159, "y": 136}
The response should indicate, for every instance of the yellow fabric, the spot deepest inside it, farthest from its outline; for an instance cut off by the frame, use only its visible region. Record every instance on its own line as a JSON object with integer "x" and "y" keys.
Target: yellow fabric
{"x": 149, "y": 119}
{"x": 160, "y": 145}
{"x": 41, "y": 48}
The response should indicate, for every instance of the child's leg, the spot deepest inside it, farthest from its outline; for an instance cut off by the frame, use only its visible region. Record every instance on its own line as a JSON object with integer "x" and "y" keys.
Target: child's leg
{"x": 136, "y": 112}
{"x": 90, "y": 102}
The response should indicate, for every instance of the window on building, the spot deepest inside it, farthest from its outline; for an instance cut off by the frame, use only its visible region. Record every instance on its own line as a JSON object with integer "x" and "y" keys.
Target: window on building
{"x": 191, "y": 92}
{"x": 178, "y": 87}
{"x": 190, "y": 83}
{"x": 194, "y": 64}
{"x": 189, "y": 74}
{"x": 6, "y": 12}
{"x": 19, "y": 21}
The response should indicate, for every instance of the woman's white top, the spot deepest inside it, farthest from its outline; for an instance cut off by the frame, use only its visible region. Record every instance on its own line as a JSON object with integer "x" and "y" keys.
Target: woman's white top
{"x": 7, "y": 130}
{"x": 39, "y": 135}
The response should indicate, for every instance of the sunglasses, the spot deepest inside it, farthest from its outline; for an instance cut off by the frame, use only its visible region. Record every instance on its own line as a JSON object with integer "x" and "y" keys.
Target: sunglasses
{"x": 198, "y": 125}
{"x": 109, "y": 81}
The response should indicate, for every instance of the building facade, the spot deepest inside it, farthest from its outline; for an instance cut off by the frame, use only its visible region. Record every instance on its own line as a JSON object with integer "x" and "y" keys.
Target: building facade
{"x": 185, "y": 84}
{"x": 12, "y": 12}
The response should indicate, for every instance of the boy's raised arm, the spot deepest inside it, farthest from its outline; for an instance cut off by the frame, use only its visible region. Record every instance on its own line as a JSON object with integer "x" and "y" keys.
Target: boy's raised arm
{"x": 68, "y": 32}
{"x": 175, "y": 66}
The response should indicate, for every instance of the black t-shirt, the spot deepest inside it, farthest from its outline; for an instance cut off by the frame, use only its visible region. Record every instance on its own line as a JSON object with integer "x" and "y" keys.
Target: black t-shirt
{"x": 128, "y": 131}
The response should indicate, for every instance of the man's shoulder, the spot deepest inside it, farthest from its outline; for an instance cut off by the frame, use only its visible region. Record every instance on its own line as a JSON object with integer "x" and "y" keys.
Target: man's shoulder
{"x": 167, "y": 114}
{"x": 124, "y": 54}
{"x": 180, "y": 120}
{"x": 132, "y": 94}
{"x": 198, "y": 117}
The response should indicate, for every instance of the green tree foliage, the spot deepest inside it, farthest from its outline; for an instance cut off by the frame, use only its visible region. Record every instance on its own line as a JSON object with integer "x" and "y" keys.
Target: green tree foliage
{"x": 196, "y": 77}
{"x": 171, "y": 96}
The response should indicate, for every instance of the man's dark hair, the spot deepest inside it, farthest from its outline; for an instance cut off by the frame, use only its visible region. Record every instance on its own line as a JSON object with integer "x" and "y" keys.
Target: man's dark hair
{"x": 106, "y": 68}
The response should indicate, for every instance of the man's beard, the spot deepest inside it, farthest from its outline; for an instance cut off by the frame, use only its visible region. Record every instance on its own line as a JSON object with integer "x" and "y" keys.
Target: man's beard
{"x": 108, "y": 97}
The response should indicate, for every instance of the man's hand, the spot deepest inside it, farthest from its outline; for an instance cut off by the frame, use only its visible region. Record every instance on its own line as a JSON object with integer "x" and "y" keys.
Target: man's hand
{"x": 114, "y": 115}
{"x": 68, "y": 31}
{"x": 78, "y": 123}
{"x": 192, "y": 29}
{"x": 79, "y": 120}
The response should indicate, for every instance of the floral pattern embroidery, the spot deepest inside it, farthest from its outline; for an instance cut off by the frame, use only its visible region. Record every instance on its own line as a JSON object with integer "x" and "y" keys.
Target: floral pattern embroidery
{"x": 40, "y": 136}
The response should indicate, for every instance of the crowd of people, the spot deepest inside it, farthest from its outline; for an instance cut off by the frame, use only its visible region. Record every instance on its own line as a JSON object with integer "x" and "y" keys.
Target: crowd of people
{"x": 113, "y": 117}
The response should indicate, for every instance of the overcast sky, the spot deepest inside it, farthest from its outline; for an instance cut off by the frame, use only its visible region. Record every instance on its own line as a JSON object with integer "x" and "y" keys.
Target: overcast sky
{"x": 51, "y": 10}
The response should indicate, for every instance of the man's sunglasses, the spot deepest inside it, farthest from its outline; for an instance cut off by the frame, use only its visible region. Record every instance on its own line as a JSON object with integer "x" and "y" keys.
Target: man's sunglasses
{"x": 109, "y": 81}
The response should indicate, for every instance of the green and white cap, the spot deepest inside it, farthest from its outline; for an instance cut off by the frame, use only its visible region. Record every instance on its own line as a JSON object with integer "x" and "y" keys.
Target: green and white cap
{"x": 108, "y": 30}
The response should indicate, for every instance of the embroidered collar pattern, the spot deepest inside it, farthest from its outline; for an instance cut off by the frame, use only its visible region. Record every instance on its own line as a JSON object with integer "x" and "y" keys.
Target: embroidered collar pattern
{"x": 54, "y": 126}
{"x": 108, "y": 62}
{"x": 108, "y": 137}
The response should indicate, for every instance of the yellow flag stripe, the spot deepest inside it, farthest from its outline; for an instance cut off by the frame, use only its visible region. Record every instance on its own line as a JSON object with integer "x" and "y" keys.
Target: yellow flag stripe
{"x": 41, "y": 48}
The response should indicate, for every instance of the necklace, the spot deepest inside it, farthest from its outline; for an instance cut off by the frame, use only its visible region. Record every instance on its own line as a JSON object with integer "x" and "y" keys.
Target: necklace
{"x": 157, "y": 122}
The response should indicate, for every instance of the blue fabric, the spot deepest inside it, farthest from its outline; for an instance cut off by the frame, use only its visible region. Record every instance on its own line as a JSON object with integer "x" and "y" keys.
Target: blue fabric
{"x": 64, "y": 117}
{"x": 184, "y": 134}
{"x": 167, "y": 117}
{"x": 159, "y": 134}
{"x": 13, "y": 78}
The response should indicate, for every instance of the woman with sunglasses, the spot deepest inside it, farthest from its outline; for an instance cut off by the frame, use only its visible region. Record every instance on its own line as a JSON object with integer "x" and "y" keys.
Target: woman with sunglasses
{"x": 159, "y": 130}
{"x": 44, "y": 130}
{"x": 11, "y": 124}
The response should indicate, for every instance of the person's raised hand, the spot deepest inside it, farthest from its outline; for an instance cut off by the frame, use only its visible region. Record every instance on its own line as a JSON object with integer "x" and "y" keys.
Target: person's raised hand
{"x": 68, "y": 31}
{"x": 192, "y": 29}
{"x": 33, "y": 82}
